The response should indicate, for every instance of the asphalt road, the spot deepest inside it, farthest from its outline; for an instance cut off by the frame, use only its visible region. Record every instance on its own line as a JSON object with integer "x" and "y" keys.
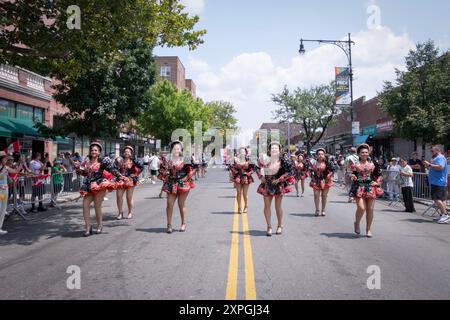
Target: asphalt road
{"x": 224, "y": 255}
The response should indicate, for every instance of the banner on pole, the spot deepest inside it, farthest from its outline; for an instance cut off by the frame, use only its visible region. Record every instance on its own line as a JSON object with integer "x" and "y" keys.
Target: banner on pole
{"x": 343, "y": 97}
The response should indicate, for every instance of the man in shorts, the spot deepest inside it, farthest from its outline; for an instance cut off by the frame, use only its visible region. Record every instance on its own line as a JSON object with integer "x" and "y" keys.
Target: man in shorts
{"x": 437, "y": 176}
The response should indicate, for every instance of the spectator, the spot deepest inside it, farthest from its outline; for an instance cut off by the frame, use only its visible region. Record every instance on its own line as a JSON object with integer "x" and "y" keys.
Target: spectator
{"x": 393, "y": 171}
{"x": 154, "y": 167}
{"x": 415, "y": 163}
{"x": 3, "y": 190}
{"x": 48, "y": 164}
{"x": 37, "y": 167}
{"x": 351, "y": 160}
{"x": 407, "y": 185}
{"x": 57, "y": 177}
{"x": 418, "y": 177}
{"x": 437, "y": 176}
{"x": 77, "y": 157}
{"x": 69, "y": 164}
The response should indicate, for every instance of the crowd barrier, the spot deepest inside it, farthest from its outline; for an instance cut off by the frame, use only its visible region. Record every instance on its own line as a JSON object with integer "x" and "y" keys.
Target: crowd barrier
{"x": 421, "y": 190}
{"x": 24, "y": 191}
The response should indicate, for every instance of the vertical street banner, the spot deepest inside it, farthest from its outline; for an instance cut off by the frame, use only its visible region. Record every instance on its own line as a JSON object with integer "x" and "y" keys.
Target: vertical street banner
{"x": 343, "y": 97}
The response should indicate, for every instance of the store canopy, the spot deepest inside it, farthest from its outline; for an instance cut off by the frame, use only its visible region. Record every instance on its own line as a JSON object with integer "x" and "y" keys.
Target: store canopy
{"x": 360, "y": 140}
{"x": 15, "y": 128}
{"x": 63, "y": 140}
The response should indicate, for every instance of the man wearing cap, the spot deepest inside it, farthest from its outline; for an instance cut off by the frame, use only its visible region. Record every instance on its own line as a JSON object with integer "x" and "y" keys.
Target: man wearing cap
{"x": 393, "y": 170}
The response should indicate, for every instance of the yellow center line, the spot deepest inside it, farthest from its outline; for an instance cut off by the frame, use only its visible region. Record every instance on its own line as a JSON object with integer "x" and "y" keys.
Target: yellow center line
{"x": 234, "y": 254}
{"x": 250, "y": 288}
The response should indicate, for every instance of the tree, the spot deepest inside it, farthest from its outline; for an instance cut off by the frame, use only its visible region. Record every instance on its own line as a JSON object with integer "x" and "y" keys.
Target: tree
{"x": 35, "y": 34}
{"x": 419, "y": 99}
{"x": 107, "y": 95}
{"x": 170, "y": 109}
{"x": 222, "y": 115}
{"x": 314, "y": 108}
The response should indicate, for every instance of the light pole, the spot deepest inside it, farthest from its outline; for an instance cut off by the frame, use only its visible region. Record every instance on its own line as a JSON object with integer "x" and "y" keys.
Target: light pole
{"x": 346, "y": 46}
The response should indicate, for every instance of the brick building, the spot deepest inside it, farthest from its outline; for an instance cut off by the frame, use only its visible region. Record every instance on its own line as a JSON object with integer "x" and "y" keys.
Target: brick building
{"x": 173, "y": 70}
{"x": 376, "y": 128}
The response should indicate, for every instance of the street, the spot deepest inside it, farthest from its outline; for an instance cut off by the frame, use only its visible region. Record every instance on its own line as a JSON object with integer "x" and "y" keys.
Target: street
{"x": 225, "y": 255}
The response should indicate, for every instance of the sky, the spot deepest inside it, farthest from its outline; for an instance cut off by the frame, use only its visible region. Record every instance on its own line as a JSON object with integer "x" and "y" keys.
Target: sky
{"x": 251, "y": 46}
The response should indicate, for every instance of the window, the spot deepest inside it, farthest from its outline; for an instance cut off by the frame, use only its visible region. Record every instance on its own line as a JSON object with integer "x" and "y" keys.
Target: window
{"x": 165, "y": 71}
{"x": 24, "y": 112}
{"x": 38, "y": 115}
{"x": 7, "y": 109}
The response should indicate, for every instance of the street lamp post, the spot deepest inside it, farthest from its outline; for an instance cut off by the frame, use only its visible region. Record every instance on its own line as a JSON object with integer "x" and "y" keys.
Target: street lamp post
{"x": 346, "y": 46}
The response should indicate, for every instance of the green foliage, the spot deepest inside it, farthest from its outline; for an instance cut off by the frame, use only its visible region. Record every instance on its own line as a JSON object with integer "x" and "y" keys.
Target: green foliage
{"x": 48, "y": 46}
{"x": 170, "y": 109}
{"x": 107, "y": 95}
{"x": 222, "y": 115}
{"x": 419, "y": 100}
{"x": 314, "y": 108}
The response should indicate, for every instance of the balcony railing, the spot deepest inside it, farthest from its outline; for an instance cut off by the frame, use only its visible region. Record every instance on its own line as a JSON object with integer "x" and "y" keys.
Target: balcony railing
{"x": 9, "y": 73}
{"x": 35, "y": 82}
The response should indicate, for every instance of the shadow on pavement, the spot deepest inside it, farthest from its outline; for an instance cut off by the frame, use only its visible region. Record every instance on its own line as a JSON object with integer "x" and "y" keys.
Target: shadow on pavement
{"x": 227, "y": 197}
{"x": 419, "y": 221}
{"x": 303, "y": 215}
{"x": 253, "y": 233}
{"x": 224, "y": 212}
{"x": 344, "y": 202}
{"x": 53, "y": 223}
{"x": 153, "y": 230}
{"x": 341, "y": 235}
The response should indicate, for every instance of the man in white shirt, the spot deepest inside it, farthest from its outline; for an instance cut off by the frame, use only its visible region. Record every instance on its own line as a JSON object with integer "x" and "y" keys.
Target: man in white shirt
{"x": 393, "y": 171}
{"x": 407, "y": 185}
{"x": 36, "y": 167}
{"x": 154, "y": 167}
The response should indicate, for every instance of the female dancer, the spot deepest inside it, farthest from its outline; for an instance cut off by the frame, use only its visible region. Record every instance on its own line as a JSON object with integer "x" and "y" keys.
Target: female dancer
{"x": 301, "y": 172}
{"x": 321, "y": 172}
{"x": 128, "y": 170}
{"x": 177, "y": 177}
{"x": 241, "y": 172}
{"x": 276, "y": 181}
{"x": 366, "y": 188}
{"x": 98, "y": 180}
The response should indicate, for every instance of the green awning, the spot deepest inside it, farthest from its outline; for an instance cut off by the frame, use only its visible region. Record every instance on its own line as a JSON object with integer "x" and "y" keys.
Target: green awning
{"x": 63, "y": 140}
{"x": 15, "y": 128}
{"x": 360, "y": 140}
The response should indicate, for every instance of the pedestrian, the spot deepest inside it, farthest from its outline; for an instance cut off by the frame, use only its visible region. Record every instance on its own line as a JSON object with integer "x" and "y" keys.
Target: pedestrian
{"x": 277, "y": 176}
{"x": 350, "y": 161}
{"x": 68, "y": 163}
{"x": 154, "y": 163}
{"x": 393, "y": 170}
{"x": 128, "y": 170}
{"x": 37, "y": 168}
{"x": 98, "y": 176}
{"x": 241, "y": 170}
{"x": 204, "y": 165}
{"x": 177, "y": 177}
{"x": 366, "y": 187}
{"x": 321, "y": 172}
{"x": 407, "y": 185}
{"x": 3, "y": 190}
{"x": 58, "y": 170}
{"x": 341, "y": 170}
{"x": 301, "y": 173}
{"x": 438, "y": 177}
{"x": 47, "y": 164}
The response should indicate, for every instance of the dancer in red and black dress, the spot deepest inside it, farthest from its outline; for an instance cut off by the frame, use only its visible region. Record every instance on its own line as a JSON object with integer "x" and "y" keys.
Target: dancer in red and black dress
{"x": 366, "y": 188}
{"x": 241, "y": 171}
{"x": 301, "y": 172}
{"x": 321, "y": 172}
{"x": 98, "y": 179}
{"x": 276, "y": 175}
{"x": 129, "y": 171}
{"x": 177, "y": 177}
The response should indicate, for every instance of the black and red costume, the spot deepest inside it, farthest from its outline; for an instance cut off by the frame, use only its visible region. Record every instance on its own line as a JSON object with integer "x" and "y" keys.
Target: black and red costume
{"x": 368, "y": 182}
{"x": 176, "y": 179}
{"x": 321, "y": 175}
{"x": 98, "y": 176}
{"x": 301, "y": 170}
{"x": 241, "y": 173}
{"x": 279, "y": 184}
{"x": 128, "y": 172}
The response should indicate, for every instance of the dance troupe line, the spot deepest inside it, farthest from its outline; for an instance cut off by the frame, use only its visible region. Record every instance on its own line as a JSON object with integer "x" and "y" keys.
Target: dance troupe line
{"x": 278, "y": 174}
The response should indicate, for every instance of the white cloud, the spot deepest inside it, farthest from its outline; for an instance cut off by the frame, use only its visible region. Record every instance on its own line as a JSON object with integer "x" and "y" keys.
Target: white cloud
{"x": 249, "y": 79}
{"x": 194, "y": 7}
